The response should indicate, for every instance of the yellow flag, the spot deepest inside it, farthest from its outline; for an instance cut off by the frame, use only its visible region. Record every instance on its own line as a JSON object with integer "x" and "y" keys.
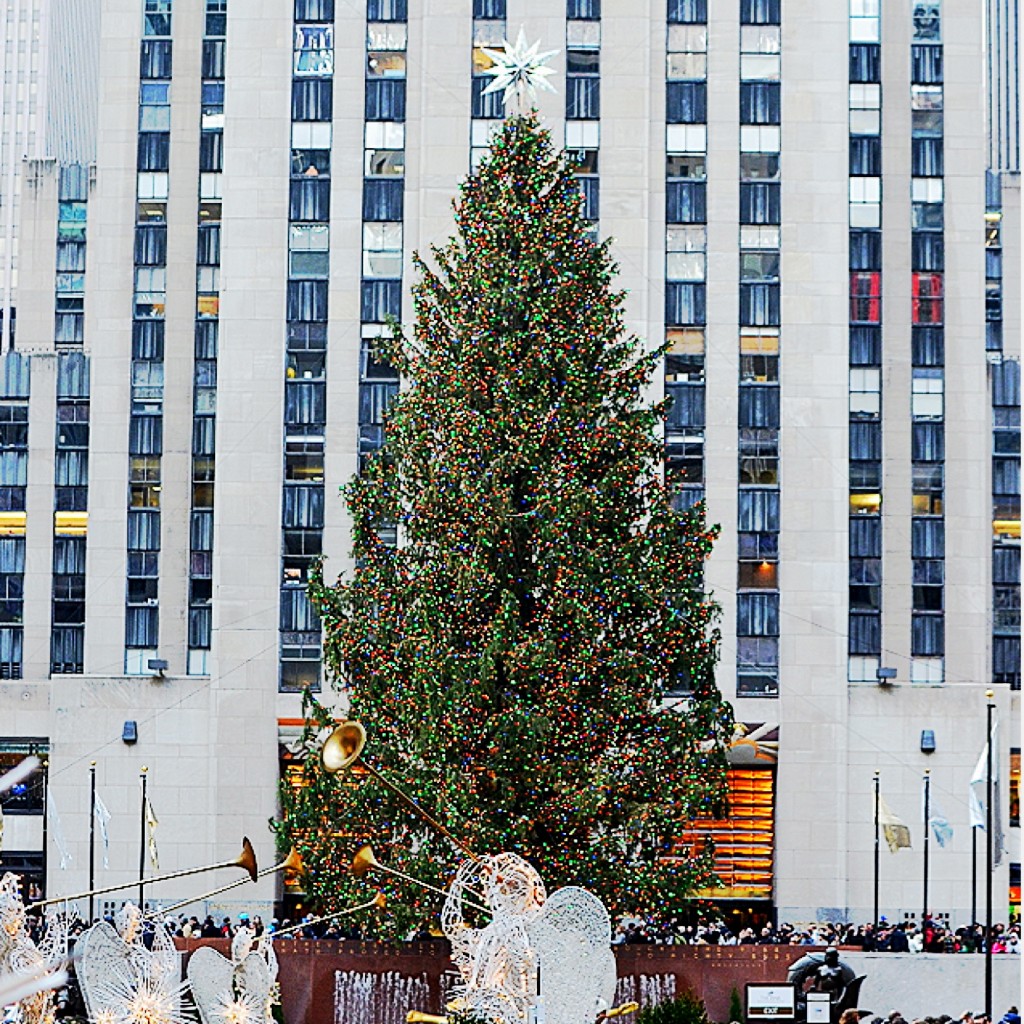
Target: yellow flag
{"x": 896, "y": 833}
{"x": 151, "y": 824}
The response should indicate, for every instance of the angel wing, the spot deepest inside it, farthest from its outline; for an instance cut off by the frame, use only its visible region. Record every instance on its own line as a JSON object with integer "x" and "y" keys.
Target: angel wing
{"x": 102, "y": 957}
{"x": 572, "y": 938}
{"x": 254, "y": 981}
{"x": 124, "y": 983}
{"x": 210, "y": 975}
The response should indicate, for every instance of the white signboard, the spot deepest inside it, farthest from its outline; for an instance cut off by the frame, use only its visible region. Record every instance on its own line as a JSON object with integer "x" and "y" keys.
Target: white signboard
{"x": 772, "y": 1001}
{"x": 819, "y": 1008}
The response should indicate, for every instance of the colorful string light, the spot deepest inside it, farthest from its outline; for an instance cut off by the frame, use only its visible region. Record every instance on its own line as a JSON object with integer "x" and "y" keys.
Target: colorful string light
{"x": 510, "y": 655}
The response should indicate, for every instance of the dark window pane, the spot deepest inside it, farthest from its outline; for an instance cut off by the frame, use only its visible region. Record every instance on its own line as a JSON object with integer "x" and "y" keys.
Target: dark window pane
{"x": 686, "y": 102}
{"x": 385, "y": 99}
{"x": 865, "y": 62}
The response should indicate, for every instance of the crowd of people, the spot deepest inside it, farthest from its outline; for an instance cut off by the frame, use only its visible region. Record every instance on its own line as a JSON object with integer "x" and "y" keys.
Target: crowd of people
{"x": 900, "y": 937}
{"x": 1012, "y": 1016}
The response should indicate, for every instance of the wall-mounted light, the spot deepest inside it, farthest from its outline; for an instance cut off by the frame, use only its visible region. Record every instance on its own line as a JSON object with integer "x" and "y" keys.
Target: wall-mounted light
{"x": 885, "y": 676}
{"x": 130, "y": 732}
{"x": 927, "y": 741}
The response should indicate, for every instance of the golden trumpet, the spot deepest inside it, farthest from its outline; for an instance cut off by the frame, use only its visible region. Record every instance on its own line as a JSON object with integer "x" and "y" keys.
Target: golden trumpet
{"x": 345, "y": 746}
{"x": 246, "y": 859}
{"x": 364, "y": 862}
{"x": 292, "y": 866}
{"x": 618, "y": 1011}
{"x": 415, "y": 1017}
{"x": 378, "y": 901}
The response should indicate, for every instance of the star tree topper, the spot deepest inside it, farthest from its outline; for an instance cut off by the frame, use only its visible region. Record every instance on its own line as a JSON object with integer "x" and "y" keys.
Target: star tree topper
{"x": 519, "y": 70}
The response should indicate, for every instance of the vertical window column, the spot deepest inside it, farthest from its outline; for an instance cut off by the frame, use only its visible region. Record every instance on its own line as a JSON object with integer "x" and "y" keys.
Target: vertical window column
{"x": 14, "y": 396}
{"x": 70, "y": 517}
{"x": 1005, "y": 383}
{"x": 489, "y": 32}
{"x": 865, "y": 342}
{"x": 145, "y": 434}
{"x": 685, "y": 249}
{"x": 305, "y": 387}
{"x": 757, "y": 602}
{"x": 927, "y": 641}
{"x": 69, "y": 286}
{"x": 383, "y": 206}
{"x": 204, "y": 373}
{"x": 583, "y": 98}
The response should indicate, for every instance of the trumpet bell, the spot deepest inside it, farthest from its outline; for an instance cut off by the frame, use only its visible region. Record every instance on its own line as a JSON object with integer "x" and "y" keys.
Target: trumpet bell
{"x": 247, "y": 858}
{"x": 363, "y": 862}
{"x": 342, "y": 748}
{"x": 293, "y": 866}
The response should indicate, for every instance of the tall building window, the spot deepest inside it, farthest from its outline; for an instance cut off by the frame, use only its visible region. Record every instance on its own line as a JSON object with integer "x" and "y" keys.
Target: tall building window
{"x": 145, "y": 429}
{"x": 1005, "y": 392}
{"x": 206, "y": 334}
{"x": 71, "y": 498}
{"x": 14, "y": 397}
{"x": 865, "y": 342}
{"x": 927, "y": 314}
{"x": 685, "y": 249}
{"x": 489, "y": 31}
{"x": 309, "y": 234}
{"x": 69, "y": 297}
{"x": 760, "y": 332}
{"x": 582, "y": 69}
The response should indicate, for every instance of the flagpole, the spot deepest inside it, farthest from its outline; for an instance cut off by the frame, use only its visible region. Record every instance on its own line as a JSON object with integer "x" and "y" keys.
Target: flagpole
{"x": 927, "y": 796}
{"x": 142, "y": 840}
{"x": 92, "y": 835}
{"x": 974, "y": 875}
{"x": 46, "y": 819}
{"x": 990, "y": 707}
{"x": 874, "y": 919}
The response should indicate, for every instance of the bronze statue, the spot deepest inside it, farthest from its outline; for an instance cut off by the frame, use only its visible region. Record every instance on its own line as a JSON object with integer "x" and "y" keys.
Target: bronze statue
{"x": 824, "y": 972}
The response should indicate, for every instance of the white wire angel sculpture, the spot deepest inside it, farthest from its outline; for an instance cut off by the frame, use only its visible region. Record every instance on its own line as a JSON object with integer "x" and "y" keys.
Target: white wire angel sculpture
{"x": 241, "y": 990}
{"x": 122, "y": 981}
{"x": 535, "y": 950}
{"x": 22, "y": 957}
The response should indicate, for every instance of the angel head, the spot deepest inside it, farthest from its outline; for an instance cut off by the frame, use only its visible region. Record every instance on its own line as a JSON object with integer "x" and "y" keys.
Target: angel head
{"x": 129, "y": 922}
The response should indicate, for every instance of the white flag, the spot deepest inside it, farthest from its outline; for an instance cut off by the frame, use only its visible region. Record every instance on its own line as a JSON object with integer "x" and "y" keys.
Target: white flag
{"x": 895, "y": 831}
{"x": 151, "y": 824}
{"x": 940, "y": 826}
{"x": 102, "y": 818}
{"x": 53, "y": 819}
{"x": 979, "y": 795}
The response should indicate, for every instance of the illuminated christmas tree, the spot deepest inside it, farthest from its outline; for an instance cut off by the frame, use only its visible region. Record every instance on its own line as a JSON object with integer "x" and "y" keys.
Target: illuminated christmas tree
{"x": 510, "y": 656}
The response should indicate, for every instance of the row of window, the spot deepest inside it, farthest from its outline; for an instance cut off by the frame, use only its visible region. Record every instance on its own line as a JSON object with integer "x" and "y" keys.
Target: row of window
{"x": 309, "y": 232}
{"x": 204, "y": 370}
{"x": 865, "y": 335}
{"x": 759, "y": 422}
{"x": 71, "y": 502}
{"x": 927, "y": 638}
{"x": 14, "y": 396}
{"x": 685, "y": 252}
{"x": 145, "y": 433}
{"x": 1005, "y": 385}
{"x": 69, "y": 285}
{"x": 71, "y": 441}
